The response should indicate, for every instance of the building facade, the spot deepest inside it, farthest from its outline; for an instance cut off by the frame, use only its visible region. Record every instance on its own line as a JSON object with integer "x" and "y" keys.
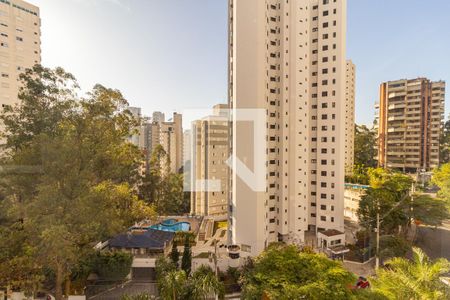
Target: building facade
{"x": 352, "y": 197}
{"x": 289, "y": 59}
{"x": 210, "y": 172}
{"x": 411, "y": 114}
{"x": 350, "y": 117}
{"x": 20, "y": 45}
{"x": 171, "y": 139}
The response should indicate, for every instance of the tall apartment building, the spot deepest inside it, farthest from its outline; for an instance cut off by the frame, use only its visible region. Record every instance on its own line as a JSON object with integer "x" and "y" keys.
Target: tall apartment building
{"x": 171, "y": 138}
{"x": 350, "y": 117}
{"x": 288, "y": 58}
{"x": 210, "y": 173}
{"x": 411, "y": 114}
{"x": 158, "y": 117}
{"x": 20, "y": 45}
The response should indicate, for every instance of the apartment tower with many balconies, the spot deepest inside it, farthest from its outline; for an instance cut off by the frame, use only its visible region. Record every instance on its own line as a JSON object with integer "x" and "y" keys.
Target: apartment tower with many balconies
{"x": 411, "y": 114}
{"x": 210, "y": 172}
{"x": 20, "y": 45}
{"x": 288, "y": 58}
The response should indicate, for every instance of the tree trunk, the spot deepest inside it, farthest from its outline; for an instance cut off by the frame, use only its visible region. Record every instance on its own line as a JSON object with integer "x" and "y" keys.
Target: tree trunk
{"x": 67, "y": 286}
{"x": 59, "y": 282}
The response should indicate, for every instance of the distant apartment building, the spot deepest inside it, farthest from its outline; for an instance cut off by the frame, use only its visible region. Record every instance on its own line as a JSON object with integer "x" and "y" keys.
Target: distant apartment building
{"x": 156, "y": 131}
{"x": 171, "y": 139}
{"x": 350, "y": 117}
{"x": 352, "y": 197}
{"x": 187, "y": 146}
{"x": 210, "y": 173}
{"x": 20, "y": 45}
{"x": 288, "y": 58}
{"x": 411, "y": 114}
{"x": 136, "y": 138}
{"x": 158, "y": 117}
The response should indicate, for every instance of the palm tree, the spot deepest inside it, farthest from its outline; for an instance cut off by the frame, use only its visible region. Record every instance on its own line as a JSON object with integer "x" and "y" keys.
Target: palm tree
{"x": 205, "y": 283}
{"x": 419, "y": 279}
{"x": 172, "y": 285}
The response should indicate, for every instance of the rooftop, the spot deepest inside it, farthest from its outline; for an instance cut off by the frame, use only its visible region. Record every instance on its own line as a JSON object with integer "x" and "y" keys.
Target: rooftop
{"x": 331, "y": 232}
{"x": 148, "y": 239}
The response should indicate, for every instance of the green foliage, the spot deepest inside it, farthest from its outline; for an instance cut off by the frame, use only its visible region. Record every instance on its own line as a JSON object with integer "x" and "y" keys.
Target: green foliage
{"x": 416, "y": 279}
{"x": 284, "y": 272}
{"x": 175, "y": 254}
{"x": 393, "y": 246}
{"x": 142, "y": 296}
{"x": 365, "y": 147}
{"x": 112, "y": 266}
{"x": 175, "y": 284}
{"x": 162, "y": 188}
{"x": 430, "y": 211}
{"x": 204, "y": 284}
{"x": 389, "y": 193}
{"x": 186, "y": 260}
{"x": 359, "y": 175}
{"x": 441, "y": 178}
{"x": 444, "y": 154}
{"x": 70, "y": 174}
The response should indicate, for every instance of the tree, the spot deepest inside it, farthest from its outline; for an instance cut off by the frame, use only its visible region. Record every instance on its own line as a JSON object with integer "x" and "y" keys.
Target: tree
{"x": 162, "y": 188}
{"x": 142, "y": 296}
{"x": 186, "y": 260}
{"x": 174, "y": 254}
{"x": 365, "y": 146}
{"x": 173, "y": 285}
{"x": 284, "y": 272}
{"x": 416, "y": 279}
{"x": 387, "y": 195}
{"x": 441, "y": 178}
{"x": 204, "y": 283}
{"x": 444, "y": 154}
{"x": 71, "y": 174}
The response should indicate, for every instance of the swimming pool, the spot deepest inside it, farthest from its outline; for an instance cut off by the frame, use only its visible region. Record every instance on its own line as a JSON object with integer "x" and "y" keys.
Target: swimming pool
{"x": 172, "y": 225}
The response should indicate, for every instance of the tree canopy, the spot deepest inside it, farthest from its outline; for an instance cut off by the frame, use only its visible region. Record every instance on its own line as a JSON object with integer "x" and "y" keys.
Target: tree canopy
{"x": 284, "y": 272}
{"x": 444, "y": 154}
{"x": 70, "y": 177}
{"x": 419, "y": 278}
{"x": 441, "y": 178}
{"x": 390, "y": 195}
{"x": 365, "y": 146}
{"x": 161, "y": 188}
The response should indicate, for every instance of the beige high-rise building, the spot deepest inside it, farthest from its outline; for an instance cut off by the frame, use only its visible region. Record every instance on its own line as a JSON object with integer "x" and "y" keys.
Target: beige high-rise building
{"x": 289, "y": 58}
{"x": 350, "y": 117}
{"x": 210, "y": 181}
{"x": 411, "y": 114}
{"x": 20, "y": 45}
{"x": 171, "y": 138}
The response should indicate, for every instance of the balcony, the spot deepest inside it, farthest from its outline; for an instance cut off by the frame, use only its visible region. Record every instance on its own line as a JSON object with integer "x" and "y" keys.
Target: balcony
{"x": 396, "y": 106}
{"x": 396, "y": 129}
{"x": 397, "y": 94}
{"x": 396, "y": 118}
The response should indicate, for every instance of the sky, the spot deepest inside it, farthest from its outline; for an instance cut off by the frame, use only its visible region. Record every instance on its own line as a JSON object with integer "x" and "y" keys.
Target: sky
{"x": 171, "y": 55}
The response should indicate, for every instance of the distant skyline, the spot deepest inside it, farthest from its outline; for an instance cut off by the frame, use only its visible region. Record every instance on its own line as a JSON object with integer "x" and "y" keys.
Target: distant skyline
{"x": 171, "y": 55}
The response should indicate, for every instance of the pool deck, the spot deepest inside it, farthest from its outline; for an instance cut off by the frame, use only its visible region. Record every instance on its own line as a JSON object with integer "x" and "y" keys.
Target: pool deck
{"x": 193, "y": 221}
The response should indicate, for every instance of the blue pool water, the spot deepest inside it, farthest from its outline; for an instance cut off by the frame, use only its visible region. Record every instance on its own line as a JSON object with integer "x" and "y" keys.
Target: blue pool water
{"x": 356, "y": 186}
{"x": 171, "y": 225}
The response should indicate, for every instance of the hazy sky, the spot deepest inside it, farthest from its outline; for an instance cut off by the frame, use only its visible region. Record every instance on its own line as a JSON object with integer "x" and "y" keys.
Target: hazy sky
{"x": 171, "y": 55}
